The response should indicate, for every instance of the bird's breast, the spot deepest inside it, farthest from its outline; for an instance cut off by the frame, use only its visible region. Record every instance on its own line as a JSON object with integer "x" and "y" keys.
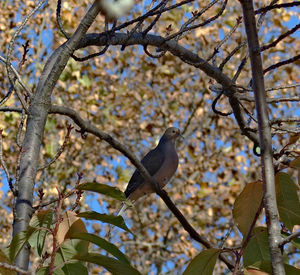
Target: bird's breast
{"x": 168, "y": 168}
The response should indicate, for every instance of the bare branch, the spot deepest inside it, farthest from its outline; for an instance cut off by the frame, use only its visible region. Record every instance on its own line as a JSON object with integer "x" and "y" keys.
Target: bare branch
{"x": 60, "y": 150}
{"x": 2, "y": 162}
{"x": 289, "y": 239}
{"x": 247, "y": 238}
{"x": 23, "y": 85}
{"x": 278, "y": 6}
{"x": 285, "y": 119}
{"x": 227, "y": 36}
{"x": 15, "y": 268}
{"x": 269, "y": 100}
{"x": 281, "y": 63}
{"x": 186, "y": 56}
{"x": 58, "y": 19}
{"x": 12, "y": 42}
{"x": 281, "y": 37}
{"x": 35, "y": 126}
{"x": 206, "y": 22}
{"x": 186, "y": 225}
{"x": 232, "y": 53}
{"x": 264, "y": 138}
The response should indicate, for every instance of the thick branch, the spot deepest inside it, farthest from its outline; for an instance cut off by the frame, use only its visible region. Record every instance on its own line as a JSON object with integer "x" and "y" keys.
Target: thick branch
{"x": 37, "y": 115}
{"x": 264, "y": 138}
{"x": 186, "y": 56}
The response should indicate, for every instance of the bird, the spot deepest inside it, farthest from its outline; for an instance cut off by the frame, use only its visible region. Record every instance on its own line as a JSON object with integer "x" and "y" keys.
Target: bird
{"x": 161, "y": 163}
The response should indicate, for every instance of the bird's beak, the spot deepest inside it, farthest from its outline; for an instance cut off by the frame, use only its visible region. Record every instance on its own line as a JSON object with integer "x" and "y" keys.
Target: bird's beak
{"x": 181, "y": 137}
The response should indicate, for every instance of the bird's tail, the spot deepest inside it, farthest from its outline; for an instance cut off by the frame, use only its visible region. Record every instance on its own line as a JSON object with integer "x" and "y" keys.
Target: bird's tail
{"x": 121, "y": 211}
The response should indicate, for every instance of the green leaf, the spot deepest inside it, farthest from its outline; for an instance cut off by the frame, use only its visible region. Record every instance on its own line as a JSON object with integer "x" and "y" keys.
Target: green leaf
{"x": 287, "y": 200}
{"x": 67, "y": 251}
{"x": 203, "y": 263}
{"x": 266, "y": 267}
{"x": 114, "y": 266}
{"x": 104, "y": 189}
{"x": 45, "y": 271}
{"x": 257, "y": 249}
{"x": 19, "y": 241}
{"x": 109, "y": 247}
{"x": 114, "y": 220}
{"x": 246, "y": 205}
{"x": 75, "y": 268}
{"x": 85, "y": 81}
{"x": 40, "y": 219}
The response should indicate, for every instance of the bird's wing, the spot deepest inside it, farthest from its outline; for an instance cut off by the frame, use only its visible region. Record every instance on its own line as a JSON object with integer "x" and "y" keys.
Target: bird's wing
{"x": 153, "y": 161}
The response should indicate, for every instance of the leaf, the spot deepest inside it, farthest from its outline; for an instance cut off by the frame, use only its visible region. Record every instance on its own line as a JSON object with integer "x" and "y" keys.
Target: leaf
{"x": 85, "y": 81}
{"x": 75, "y": 268}
{"x": 114, "y": 266}
{"x": 39, "y": 220}
{"x": 287, "y": 200}
{"x": 246, "y": 205}
{"x": 257, "y": 249}
{"x": 104, "y": 189}
{"x": 45, "y": 271}
{"x": 203, "y": 263}
{"x": 19, "y": 241}
{"x": 114, "y": 220}
{"x": 67, "y": 251}
{"x": 266, "y": 267}
{"x": 42, "y": 218}
{"x": 70, "y": 219}
{"x": 295, "y": 163}
{"x": 109, "y": 247}
{"x": 4, "y": 259}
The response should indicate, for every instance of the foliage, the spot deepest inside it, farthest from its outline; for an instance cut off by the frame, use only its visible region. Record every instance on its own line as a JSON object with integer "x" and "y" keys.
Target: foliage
{"x": 133, "y": 97}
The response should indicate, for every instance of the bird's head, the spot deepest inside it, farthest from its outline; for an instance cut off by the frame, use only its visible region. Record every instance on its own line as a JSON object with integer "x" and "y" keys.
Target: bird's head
{"x": 172, "y": 134}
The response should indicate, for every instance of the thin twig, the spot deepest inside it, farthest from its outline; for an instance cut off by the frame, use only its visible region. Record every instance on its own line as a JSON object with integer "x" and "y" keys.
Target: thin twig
{"x": 270, "y": 100}
{"x": 14, "y": 268}
{"x": 289, "y": 239}
{"x": 66, "y": 195}
{"x": 54, "y": 231}
{"x": 232, "y": 53}
{"x": 247, "y": 239}
{"x": 206, "y": 22}
{"x": 227, "y": 36}
{"x": 150, "y": 13}
{"x": 58, "y": 20}
{"x": 60, "y": 150}
{"x": 278, "y": 6}
{"x": 186, "y": 225}
{"x": 194, "y": 18}
{"x": 282, "y": 63}
{"x": 2, "y": 162}
{"x": 78, "y": 192}
{"x": 280, "y": 37}
{"x": 23, "y": 85}
{"x": 17, "y": 32}
{"x": 285, "y": 119}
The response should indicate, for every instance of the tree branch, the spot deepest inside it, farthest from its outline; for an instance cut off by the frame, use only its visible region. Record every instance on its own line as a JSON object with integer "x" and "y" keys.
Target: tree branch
{"x": 37, "y": 115}
{"x": 186, "y": 56}
{"x": 264, "y": 138}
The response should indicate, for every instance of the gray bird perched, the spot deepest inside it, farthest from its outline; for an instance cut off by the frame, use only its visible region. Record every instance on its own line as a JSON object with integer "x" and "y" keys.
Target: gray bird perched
{"x": 161, "y": 163}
